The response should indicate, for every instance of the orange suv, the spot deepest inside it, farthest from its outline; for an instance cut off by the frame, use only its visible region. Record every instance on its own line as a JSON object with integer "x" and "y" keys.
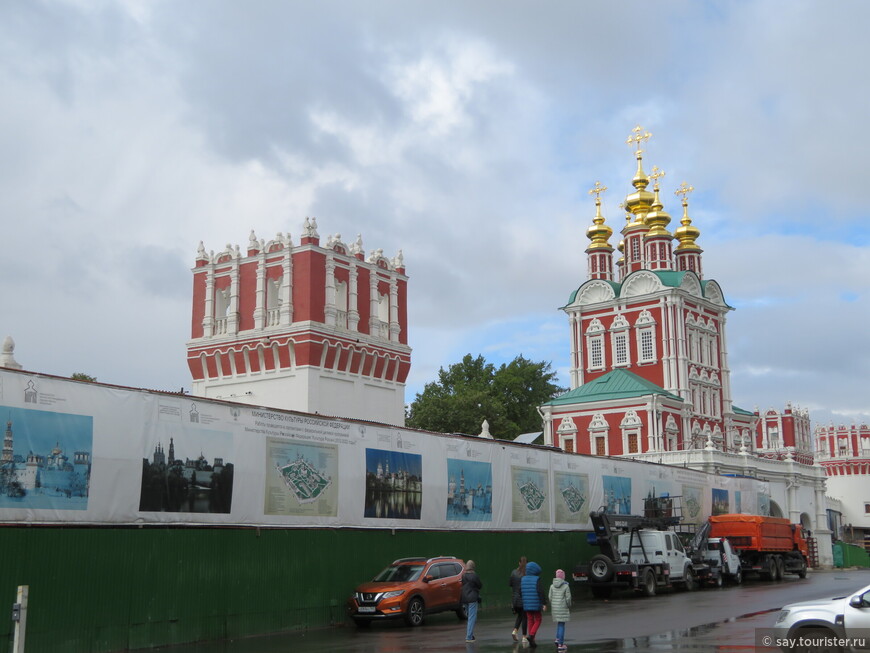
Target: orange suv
{"x": 410, "y": 588}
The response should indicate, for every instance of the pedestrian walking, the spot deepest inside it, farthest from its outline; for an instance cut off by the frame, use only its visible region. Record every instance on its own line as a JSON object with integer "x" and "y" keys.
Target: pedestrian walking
{"x": 520, "y": 624}
{"x": 534, "y": 599}
{"x": 560, "y": 602}
{"x": 471, "y": 586}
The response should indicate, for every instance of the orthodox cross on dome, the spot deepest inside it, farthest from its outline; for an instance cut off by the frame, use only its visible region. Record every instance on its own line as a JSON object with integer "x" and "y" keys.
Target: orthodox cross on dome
{"x": 656, "y": 174}
{"x": 638, "y": 136}
{"x": 597, "y": 190}
{"x": 684, "y": 190}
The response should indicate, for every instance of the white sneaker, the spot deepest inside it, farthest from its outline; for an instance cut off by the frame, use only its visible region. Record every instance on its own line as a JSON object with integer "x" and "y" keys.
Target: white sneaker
{"x": 514, "y": 634}
{"x": 525, "y": 641}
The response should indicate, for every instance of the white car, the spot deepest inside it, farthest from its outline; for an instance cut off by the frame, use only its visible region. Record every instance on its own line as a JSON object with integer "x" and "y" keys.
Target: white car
{"x": 838, "y": 624}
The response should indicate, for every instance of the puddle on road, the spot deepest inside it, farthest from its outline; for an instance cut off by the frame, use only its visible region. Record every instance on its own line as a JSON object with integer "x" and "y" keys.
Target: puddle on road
{"x": 695, "y": 638}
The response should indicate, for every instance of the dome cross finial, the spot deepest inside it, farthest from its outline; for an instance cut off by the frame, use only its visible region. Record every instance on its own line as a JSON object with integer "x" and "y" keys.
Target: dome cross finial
{"x": 684, "y": 190}
{"x": 597, "y": 190}
{"x": 638, "y": 136}
{"x": 656, "y": 174}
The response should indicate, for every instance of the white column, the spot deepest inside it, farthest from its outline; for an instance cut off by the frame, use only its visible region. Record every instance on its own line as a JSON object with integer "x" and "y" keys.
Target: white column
{"x": 352, "y": 298}
{"x": 233, "y": 316}
{"x": 576, "y": 379}
{"x": 329, "y": 309}
{"x": 260, "y": 304}
{"x": 374, "y": 320}
{"x": 286, "y": 291}
{"x": 395, "y": 329}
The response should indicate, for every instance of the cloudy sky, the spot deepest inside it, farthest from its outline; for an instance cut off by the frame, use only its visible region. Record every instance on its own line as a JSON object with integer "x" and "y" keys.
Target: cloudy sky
{"x": 466, "y": 134}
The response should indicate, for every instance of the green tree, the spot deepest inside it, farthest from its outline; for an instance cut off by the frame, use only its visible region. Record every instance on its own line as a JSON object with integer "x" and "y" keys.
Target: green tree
{"x": 468, "y": 392}
{"x": 81, "y": 376}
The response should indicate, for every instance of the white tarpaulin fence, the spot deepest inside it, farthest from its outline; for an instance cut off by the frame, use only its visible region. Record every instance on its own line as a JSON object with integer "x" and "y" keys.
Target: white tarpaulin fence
{"x": 87, "y": 453}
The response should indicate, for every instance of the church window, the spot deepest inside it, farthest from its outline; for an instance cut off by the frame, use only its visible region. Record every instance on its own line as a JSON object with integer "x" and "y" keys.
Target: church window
{"x": 647, "y": 345}
{"x": 867, "y": 508}
{"x": 620, "y": 348}
{"x": 568, "y": 444}
{"x": 596, "y": 352}
{"x": 600, "y": 448}
{"x": 773, "y": 437}
{"x": 635, "y": 249}
{"x": 632, "y": 443}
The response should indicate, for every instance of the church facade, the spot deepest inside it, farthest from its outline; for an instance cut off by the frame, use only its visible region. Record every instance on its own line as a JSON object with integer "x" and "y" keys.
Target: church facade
{"x": 844, "y": 453}
{"x": 308, "y": 327}
{"x": 649, "y": 374}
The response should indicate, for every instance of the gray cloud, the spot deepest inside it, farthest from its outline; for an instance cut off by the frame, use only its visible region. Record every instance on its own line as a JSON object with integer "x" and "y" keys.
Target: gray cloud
{"x": 466, "y": 135}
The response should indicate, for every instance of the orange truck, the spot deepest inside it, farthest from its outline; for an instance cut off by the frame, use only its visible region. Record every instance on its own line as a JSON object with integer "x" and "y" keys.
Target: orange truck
{"x": 768, "y": 546}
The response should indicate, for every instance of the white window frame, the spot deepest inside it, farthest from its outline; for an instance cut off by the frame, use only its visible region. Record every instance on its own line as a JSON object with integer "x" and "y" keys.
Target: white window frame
{"x": 595, "y": 347}
{"x": 643, "y": 332}
{"x": 619, "y": 342}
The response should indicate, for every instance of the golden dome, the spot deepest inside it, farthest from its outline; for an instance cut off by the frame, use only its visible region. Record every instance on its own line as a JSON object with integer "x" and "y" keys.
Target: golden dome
{"x": 640, "y": 201}
{"x": 657, "y": 219}
{"x": 688, "y": 232}
{"x": 599, "y": 233}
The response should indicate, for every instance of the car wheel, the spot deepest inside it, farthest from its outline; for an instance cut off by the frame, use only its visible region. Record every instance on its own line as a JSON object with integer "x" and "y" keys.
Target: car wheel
{"x": 649, "y": 583}
{"x": 601, "y": 568}
{"x": 602, "y": 592}
{"x": 813, "y": 635}
{"x": 414, "y": 615}
{"x": 462, "y": 612}
{"x": 689, "y": 580}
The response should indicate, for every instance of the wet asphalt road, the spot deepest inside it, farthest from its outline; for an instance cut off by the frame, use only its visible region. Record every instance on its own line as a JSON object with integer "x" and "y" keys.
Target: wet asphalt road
{"x": 722, "y": 620}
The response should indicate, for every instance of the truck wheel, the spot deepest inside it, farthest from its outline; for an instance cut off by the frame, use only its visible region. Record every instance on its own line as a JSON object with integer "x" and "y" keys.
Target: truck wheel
{"x": 718, "y": 582}
{"x": 768, "y": 571}
{"x": 649, "y": 582}
{"x": 601, "y": 568}
{"x": 802, "y": 572}
{"x": 601, "y": 592}
{"x": 780, "y": 568}
{"x": 689, "y": 580}
{"x": 738, "y": 576}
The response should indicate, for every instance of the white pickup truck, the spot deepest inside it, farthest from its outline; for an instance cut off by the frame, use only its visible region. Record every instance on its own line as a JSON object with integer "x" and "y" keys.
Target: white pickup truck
{"x": 644, "y": 556}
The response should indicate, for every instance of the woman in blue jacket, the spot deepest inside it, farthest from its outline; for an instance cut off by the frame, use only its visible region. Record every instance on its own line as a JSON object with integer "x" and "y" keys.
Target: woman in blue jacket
{"x": 534, "y": 599}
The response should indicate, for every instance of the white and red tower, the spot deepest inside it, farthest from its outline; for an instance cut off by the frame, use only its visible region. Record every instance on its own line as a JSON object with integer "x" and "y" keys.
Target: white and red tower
{"x": 785, "y": 435}
{"x": 843, "y": 451}
{"x": 649, "y": 369}
{"x": 321, "y": 329}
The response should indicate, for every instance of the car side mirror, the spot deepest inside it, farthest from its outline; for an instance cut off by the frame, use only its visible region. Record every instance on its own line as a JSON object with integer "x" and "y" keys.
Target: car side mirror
{"x": 857, "y": 602}
{"x": 427, "y": 578}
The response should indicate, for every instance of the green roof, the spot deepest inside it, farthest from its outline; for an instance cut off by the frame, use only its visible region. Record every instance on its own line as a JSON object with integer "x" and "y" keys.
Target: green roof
{"x": 741, "y": 411}
{"x": 618, "y": 384}
{"x": 668, "y": 278}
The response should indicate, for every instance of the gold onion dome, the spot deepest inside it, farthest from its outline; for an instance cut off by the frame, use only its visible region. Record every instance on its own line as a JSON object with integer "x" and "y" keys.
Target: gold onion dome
{"x": 688, "y": 233}
{"x": 657, "y": 219}
{"x": 599, "y": 233}
{"x": 640, "y": 201}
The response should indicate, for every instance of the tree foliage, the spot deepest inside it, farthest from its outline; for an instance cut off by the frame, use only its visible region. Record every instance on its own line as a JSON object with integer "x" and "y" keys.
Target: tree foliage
{"x": 468, "y": 392}
{"x": 81, "y": 376}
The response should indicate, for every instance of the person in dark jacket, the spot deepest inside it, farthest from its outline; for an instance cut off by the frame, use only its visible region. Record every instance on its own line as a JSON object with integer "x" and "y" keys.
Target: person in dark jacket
{"x": 534, "y": 599}
{"x": 517, "y": 601}
{"x": 471, "y": 586}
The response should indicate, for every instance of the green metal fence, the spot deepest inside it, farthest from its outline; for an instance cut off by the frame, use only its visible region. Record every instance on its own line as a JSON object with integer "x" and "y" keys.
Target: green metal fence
{"x": 113, "y": 589}
{"x": 850, "y": 555}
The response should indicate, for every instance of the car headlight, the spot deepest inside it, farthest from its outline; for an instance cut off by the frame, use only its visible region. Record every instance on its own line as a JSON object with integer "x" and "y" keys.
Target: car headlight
{"x": 389, "y": 595}
{"x": 782, "y": 615}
